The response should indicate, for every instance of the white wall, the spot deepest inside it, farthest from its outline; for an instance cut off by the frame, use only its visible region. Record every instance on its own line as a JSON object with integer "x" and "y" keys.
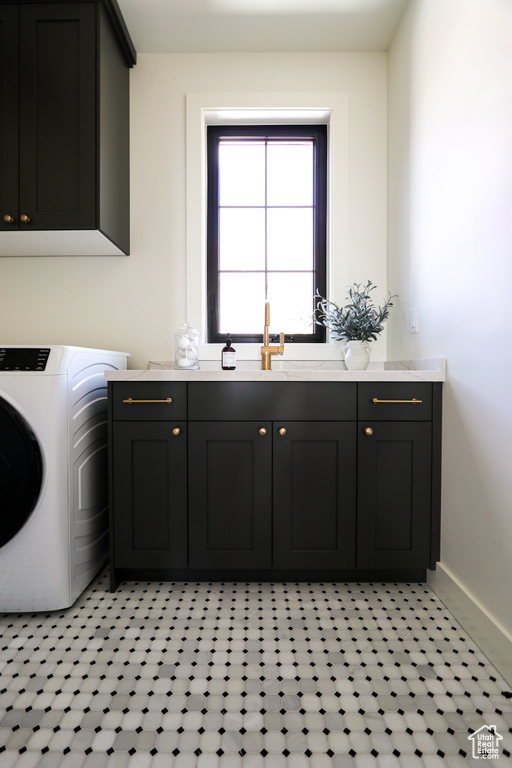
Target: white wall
{"x": 136, "y": 303}
{"x": 450, "y": 247}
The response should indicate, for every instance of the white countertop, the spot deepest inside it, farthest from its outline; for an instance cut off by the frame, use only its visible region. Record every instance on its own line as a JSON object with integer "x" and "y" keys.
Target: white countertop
{"x": 290, "y": 370}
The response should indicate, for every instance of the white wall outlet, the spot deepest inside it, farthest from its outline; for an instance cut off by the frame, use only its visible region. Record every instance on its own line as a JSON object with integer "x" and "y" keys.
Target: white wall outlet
{"x": 413, "y": 320}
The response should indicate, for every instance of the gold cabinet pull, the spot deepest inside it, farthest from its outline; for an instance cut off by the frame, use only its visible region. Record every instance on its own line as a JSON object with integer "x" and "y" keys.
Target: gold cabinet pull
{"x": 176, "y": 431}
{"x": 24, "y": 218}
{"x": 8, "y": 219}
{"x": 262, "y": 431}
{"x": 282, "y": 431}
{"x": 131, "y": 401}
{"x": 368, "y": 431}
{"x": 414, "y": 401}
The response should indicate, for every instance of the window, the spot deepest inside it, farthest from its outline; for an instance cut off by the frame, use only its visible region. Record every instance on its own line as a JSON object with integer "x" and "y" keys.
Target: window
{"x": 266, "y": 229}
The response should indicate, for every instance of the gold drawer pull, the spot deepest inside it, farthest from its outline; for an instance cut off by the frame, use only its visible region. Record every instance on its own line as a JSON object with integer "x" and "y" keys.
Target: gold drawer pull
{"x": 130, "y": 400}
{"x": 414, "y": 401}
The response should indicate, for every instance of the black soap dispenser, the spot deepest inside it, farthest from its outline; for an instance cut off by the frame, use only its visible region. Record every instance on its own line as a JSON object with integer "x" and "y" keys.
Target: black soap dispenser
{"x": 228, "y": 356}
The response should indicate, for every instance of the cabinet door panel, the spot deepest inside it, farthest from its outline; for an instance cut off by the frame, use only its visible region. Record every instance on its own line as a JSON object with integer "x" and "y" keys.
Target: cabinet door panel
{"x": 394, "y": 495}
{"x": 150, "y": 495}
{"x": 58, "y": 115}
{"x": 229, "y": 495}
{"x": 314, "y": 495}
{"x": 8, "y": 115}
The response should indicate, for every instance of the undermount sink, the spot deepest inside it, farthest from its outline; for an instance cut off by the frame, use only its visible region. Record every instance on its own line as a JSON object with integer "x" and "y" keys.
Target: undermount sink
{"x": 280, "y": 365}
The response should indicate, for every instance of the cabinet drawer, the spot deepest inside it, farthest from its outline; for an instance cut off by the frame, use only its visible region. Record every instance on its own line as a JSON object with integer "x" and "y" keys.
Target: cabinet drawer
{"x": 395, "y": 401}
{"x": 149, "y": 400}
{"x": 270, "y": 401}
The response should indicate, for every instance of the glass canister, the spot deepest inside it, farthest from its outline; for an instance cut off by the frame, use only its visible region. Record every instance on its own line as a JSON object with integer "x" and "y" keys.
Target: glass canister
{"x": 186, "y": 348}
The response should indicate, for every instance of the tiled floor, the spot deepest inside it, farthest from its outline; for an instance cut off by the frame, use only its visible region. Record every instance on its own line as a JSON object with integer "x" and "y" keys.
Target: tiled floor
{"x": 226, "y": 675}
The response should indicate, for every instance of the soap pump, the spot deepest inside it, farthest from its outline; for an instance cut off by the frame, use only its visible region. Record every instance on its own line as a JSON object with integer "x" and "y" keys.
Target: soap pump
{"x": 228, "y": 356}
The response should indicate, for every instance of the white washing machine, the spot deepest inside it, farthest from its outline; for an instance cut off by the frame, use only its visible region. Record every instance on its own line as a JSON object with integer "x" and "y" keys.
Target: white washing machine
{"x": 53, "y": 473}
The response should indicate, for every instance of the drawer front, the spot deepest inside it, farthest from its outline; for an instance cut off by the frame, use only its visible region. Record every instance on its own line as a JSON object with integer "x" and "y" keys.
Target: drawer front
{"x": 269, "y": 401}
{"x": 395, "y": 401}
{"x": 149, "y": 400}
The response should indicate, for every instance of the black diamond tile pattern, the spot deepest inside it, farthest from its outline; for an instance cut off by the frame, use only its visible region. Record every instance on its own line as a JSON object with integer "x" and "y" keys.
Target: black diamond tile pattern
{"x": 246, "y": 675}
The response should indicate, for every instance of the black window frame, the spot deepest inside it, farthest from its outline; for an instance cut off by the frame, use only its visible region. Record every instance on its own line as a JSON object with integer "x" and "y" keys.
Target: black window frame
{"x": 215, "y": 133}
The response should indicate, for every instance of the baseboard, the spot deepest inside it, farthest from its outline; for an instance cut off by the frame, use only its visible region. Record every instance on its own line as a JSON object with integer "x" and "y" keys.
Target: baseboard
{"x": 492, "y": 639}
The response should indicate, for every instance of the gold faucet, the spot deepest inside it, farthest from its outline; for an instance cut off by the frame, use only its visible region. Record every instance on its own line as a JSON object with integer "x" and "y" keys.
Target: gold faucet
{"x": 267, "y": 350}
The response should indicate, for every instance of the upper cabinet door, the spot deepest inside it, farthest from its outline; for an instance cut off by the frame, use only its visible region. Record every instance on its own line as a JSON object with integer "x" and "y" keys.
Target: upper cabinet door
{"x": 8, "y": 116}
{"x": 57, "y": 87}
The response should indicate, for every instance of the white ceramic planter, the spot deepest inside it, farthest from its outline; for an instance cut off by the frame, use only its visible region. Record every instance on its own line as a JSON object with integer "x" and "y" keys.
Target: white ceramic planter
{"x": 357, "y": 355}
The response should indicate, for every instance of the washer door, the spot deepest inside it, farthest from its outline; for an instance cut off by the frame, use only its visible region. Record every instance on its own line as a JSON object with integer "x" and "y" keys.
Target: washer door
{"x": 20, "y": 472}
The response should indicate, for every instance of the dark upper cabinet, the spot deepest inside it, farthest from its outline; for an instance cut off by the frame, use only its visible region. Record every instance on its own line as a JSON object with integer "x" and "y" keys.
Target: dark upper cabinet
{"x": 9, "y": 130}
{"x": 57, "y": 117}
{"x": 64, "y": 142}
{"x": 314, "y": 470}
{"x": 230, "y": 495}
{"x": 394, "y": 494}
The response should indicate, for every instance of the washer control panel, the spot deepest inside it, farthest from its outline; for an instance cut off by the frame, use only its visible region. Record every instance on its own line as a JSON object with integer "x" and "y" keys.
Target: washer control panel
{"x": 23, "y": 358}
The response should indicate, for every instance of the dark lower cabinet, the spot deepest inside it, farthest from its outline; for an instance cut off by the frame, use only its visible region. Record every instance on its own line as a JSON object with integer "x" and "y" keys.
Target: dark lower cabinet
{"x": 314, "y": 469}
{"x": 394, "y": 495}
{"x": 230, "y": 495}
{"x": 150, "y": 491}
{"x": 265, "y": 495}
{"x": 198, "y": 492}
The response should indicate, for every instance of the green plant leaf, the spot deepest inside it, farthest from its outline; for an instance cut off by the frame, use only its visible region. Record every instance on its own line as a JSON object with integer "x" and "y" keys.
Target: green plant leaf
{"x": 358, "y": 320}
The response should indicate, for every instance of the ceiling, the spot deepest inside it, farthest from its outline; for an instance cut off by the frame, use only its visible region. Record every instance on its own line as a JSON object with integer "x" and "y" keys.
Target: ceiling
{"x": 261, "y": 26}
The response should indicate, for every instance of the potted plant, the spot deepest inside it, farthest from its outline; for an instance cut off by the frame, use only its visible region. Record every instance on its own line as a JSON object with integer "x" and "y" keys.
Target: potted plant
{"x": 358, "y": 322}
